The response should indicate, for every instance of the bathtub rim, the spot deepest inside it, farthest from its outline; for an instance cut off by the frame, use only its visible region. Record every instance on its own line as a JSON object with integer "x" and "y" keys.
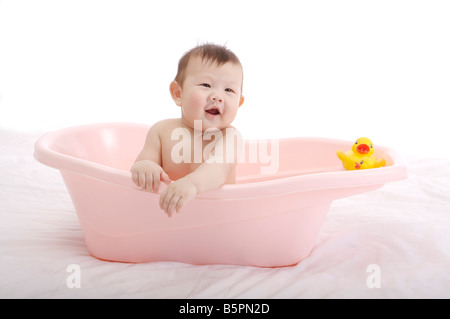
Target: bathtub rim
{"x": 298, "y": 183}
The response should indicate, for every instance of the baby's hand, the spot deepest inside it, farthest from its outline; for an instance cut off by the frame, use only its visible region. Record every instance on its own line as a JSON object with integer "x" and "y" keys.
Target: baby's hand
{"x": 176, "y": 195}
{"x": 147, "y": 175}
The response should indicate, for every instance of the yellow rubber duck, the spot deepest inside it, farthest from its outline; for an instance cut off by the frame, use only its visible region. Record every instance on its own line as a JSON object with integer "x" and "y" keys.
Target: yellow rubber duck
{"x": 360, "y": 156}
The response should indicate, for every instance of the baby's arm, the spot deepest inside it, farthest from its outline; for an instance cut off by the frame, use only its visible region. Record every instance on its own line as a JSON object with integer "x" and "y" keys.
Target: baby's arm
{"x": 147, "y": 171}
{"x": 206, "y": 177}
{"x": 209, "y": 175}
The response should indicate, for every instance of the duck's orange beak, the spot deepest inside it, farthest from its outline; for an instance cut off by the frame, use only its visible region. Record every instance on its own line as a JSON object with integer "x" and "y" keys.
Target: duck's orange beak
{"x": 363, "y": 148}
{"x": 357, "y": 165}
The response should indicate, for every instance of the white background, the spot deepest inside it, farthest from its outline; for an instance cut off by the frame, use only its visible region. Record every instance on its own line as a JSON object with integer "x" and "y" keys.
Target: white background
{"x": 340, "y": 69}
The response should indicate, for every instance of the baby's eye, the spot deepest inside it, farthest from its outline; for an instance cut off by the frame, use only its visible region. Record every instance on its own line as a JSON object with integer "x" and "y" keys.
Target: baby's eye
{"x": 229, "y": 90}
{"x": 206, "y": 85}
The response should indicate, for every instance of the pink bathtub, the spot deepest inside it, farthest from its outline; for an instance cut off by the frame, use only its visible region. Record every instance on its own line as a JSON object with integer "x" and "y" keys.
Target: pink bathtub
{"x": 264, "y": 220}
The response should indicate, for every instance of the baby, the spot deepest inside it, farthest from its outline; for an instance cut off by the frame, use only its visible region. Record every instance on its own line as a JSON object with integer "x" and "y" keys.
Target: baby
{"x": 208, "y": 88}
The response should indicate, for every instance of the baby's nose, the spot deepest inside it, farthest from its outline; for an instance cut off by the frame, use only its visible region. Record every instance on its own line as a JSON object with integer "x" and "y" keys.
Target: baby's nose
{"x": 215, "y": 98}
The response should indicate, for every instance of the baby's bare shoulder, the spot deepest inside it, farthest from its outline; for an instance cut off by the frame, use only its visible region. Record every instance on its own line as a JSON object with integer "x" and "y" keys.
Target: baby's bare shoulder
{"x": 164, "y": 126}
{"x": 232, "y": 132}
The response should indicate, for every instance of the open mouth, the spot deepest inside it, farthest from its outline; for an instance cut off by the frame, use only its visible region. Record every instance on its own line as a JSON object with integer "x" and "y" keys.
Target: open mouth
{"x": 213, "y": 111}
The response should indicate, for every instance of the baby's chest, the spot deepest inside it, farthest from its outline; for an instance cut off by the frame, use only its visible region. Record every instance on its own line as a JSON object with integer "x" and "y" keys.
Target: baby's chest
{"x": 179, "y": 159}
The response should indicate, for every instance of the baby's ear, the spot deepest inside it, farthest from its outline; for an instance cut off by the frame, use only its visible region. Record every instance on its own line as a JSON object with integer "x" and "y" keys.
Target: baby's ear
{"x": 241, "y": 100}
{"x": 175, "y": 91}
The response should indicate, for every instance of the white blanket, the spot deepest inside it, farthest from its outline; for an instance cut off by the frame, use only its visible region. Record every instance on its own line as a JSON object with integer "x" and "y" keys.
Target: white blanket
{"x": 390, "y": 243}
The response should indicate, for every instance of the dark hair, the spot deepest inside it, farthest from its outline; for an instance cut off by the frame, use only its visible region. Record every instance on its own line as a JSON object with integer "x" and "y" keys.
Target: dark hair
{"x": 209, "y": 52}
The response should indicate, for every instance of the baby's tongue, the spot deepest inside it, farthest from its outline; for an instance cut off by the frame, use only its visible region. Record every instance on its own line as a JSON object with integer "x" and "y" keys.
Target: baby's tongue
{"x": 213, "y": 111}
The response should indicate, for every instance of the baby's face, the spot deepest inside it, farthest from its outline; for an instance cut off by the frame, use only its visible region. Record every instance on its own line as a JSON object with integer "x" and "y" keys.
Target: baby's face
{"x": 210, "y": 93}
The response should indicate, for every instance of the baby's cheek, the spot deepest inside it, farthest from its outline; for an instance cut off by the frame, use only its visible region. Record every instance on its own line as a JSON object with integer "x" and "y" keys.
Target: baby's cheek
{"x": 196, "y": 102}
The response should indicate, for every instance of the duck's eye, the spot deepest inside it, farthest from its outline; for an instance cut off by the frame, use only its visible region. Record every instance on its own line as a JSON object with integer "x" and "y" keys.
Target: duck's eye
{"x": 356, "y": 142}
{"x": 361, "y": 162}
{"x": 371, "y": 146}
